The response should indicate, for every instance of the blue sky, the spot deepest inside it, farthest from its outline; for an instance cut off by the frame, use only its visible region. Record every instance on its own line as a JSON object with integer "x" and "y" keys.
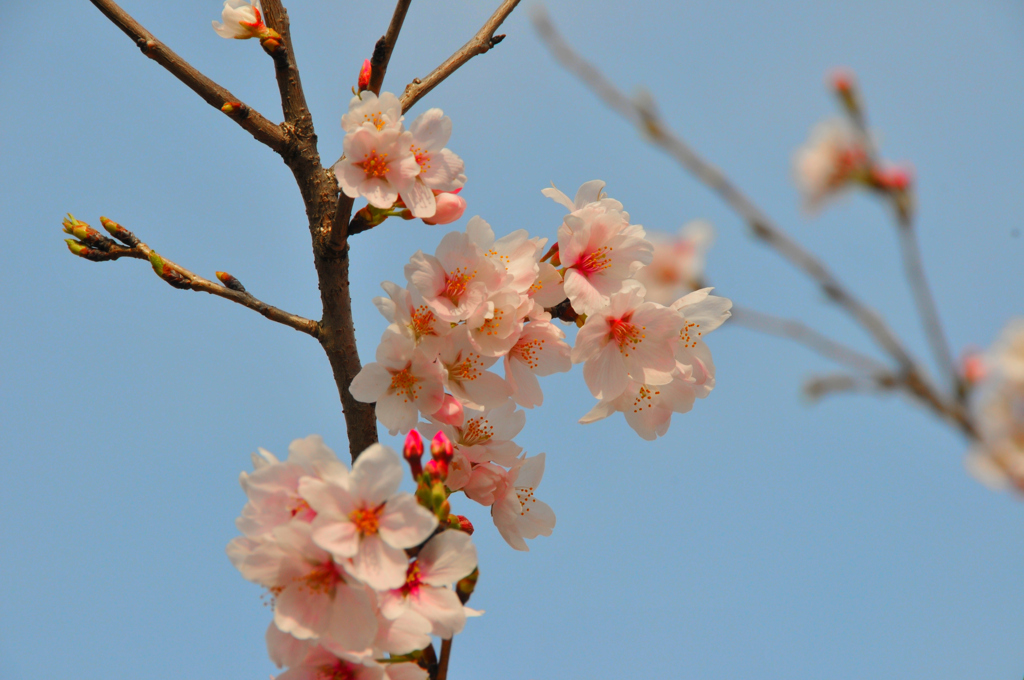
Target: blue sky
{"x": 762, "y": 537}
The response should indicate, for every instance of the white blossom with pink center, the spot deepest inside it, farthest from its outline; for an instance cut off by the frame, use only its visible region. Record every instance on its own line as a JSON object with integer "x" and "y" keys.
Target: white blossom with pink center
{"x": 833, "y": 157}
{"x": 313, "y": 596}
{"x": 379, "y": 166}
{"x": 628, "y": 339}
{"x": 367, "y": 109}
{"x": 457, "y": 280}
{"x": 241, "y": 19}
{"x": 516, "y": 512}
{"x": 495, "y": 325}
{"x": 407, "y": 633}
{"x": 440, "y": 169}
{"x": 273, "y": 488}
{"x": 446, "y": 559}
{"x": 589, "y": 192}
{"x": 540, "y": 350}
{"x": 547, "y": 290}
{"x": 466, "y": 373}
{"x": 648, "y": 408}
{"x": 485, "y": 436}
{"x": 702, "y": 313}
{"x": 678, "y": 262}
{"x": 361, "y": 517}
{"x": 403, "y": 381}
{"x": 320, "y": 664}
{"x": 412, "y": 317}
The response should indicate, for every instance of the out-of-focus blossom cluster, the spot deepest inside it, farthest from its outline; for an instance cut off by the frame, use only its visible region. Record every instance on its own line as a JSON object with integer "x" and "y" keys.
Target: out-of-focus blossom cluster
{"x": 479, "y": 299}
{"x": 677, "y": 266}
{"x": 399, "y": 171}
{"x": 998, "y": 410}
{"x": 331, "y": 545}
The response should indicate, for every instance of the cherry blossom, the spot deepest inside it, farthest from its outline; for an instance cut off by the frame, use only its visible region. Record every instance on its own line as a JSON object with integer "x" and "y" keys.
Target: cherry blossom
{"x": 403, "y": 381}
{"x": 320, "y": 664}
{"x": 444, "y": 560}
{"x": 702, "y": 313}
{"x": 273, "y": 489}
{"x": 517, "y": 253}
{"x": 486, "y": 435}
{"x": 241, "y": 20}
{"x": 440, "y": 169}
{"x": 833, "y": 157}
{"x": 648, "y": 408}
{"x": 412, "y": 317}
{"x": 466, "y": 373}
{"x": 377, "y": 113}
{"x": 627, "y": 339}
{"x": 517, "y": 514}
{"x": 539, "y": 351}
{"x": 678, "y": 262}
{"x": 450, "y": 207}
{"x": 379, "y": 166}
{"x": 360, "y": 517}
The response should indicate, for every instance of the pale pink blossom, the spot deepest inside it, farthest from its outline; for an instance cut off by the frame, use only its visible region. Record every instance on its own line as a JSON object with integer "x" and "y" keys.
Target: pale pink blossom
{"x": 367, "y": 109}
{"x": 361, "y": 517}
{"x": 440, "y": 169}
{"x": 403, "y": 381}
{"x": 450, "y": 413}
{"x": 273, "y": 488}
{"x": 1006, "y": 357}
{"x": 678, "y": 262}
{"x": 466, "y": 374}
{"x": 241, "y": 20}
{"x": 484, "y": 483}
{"x": 313, "y": 596}
{"x": 457, "y": 280}
{"x": 540, "y": 350}
{"x": 516, "y": 512}
{"x": 589, "y": 192}
{"x": 486, "y": 435}
{"x": 320, "y": 664}
{"x": 445, "y": 559}
{"x": 702, "y": 313}
{"x": 517, "y": 253}
{"x": 547, "y": 289}
{"x": 495, "y": 325}
{"x": 379, "y": 166}
{"x": 284, "y": 649}
{"x": 412, "y": 317}
{"x": 648, "y": 408}
{"x": 833, "y": 157}
{"x": 402, "y": 635}
{"x": 628, "y": 339}
{"x": 998, "y": 458}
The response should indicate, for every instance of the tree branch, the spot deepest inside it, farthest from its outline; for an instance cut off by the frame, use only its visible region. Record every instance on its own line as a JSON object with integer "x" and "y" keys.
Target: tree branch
{"x": 442, "y": 664}
{"x": 643, "y": 115}
{"x": 808, "y": 337}
{"x": 215, "y": 95}
{"x": 483, "y": 41}
{"x": 293, "y": 99}
{"x": 382, "y": 50}
{"x": 179, "y": 277}
{"x": 821, "y": 386}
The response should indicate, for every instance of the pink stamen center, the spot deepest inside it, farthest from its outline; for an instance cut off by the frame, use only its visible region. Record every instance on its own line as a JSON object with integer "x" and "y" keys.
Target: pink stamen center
{"x": 375, "y": 165}
{"x": 594, "y": 261}
{"x": 412, "y": 579}
{"x": 455, "y": 284}
{"x": 323, "y": 579}
{"x": 367, "y": 520}
{"x": 339, "y": 670}
{"x": 627, "y": 335}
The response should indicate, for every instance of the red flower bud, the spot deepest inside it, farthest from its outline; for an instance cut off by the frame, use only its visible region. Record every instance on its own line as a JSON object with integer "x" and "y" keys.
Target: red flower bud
{"x": 413, "y": 452}
{"x": 364, "y": 76}
{"x": 441, "y": 449}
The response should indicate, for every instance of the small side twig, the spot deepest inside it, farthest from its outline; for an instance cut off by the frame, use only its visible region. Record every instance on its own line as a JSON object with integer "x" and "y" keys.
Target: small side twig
{"x": 821, "y": 386}
{"x": 382, "y": 50}
{"x": 179, "y": 277}
{"x": 808, "y": 337}
{"x": 215, "y": 95}
{"x": 480, "y": 43}
{"x": 442, "y": 664}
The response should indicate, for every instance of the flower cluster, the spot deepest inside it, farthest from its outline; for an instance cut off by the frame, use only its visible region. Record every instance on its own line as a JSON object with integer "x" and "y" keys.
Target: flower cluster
{"x": 332, "y": 546}
{"x": 479, "y": 299}
{"x": 399, "y": 171}
{"x": 677, "y": 266}
{"x": 998, "y": 409}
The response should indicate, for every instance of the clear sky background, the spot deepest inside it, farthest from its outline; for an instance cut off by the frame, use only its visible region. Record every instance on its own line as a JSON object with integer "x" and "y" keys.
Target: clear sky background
{"x": 762, "y": 538}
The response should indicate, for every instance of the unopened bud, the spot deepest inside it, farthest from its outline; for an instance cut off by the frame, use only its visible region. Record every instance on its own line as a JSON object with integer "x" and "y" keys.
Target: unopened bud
{"x": 76, "y": 248}
{"x": 412, "y": 451}
{"x": 230, "y": 281}
{"x": 449, "y": 208}
{"x": 893, "y": 179}
{"x": 842, "y": 82}
{"x": 973, "y": 367}
{"x": 451, "y": 412}
{"x": 364, "y": 75}
{"x": 120, "y": 233}
{"x": 86, "y": 234}
{"x": 441, "y": 449}
{"x": 460, "y": 523}
{"x": 235, "y": 109}
{"x": 167, "y": 272}
{"x": 466, "y": 586}
{"x": 271, "y": 42}
{"x": 552, "y": 255}
{"x": 437, "y": 469}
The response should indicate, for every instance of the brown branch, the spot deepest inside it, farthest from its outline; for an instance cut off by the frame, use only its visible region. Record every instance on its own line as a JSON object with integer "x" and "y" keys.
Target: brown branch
{"x": 179, "y": 277}
{"x": 215, "y": 95}
{"x": 293, "y": 99}
{"x": 821, "y": 386}
{"x": 808, "y": 337}
{"x": 442, "y": 665}
{"x": 643, "y": 115}
{"x": 382, "y": 50}
{"x": 480, "y": 43}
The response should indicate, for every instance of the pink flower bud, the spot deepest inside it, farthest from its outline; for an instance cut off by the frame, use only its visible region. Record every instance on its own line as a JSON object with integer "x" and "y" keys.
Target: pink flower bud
{"x": 437, "y": 469}
{"x": 449, "y": 208}
{"x": 450, "y": 412}
{"x": 972, "y": 367}
{"x": 893, "y": 179}
{"x": 364, "y": 76}
{"x": 841, "y": 80}
{"x": 413, "y": 452}
{"x": 463, "y": 523}
{"x": 441, "y": 448}
{"x": 485, "y": 483}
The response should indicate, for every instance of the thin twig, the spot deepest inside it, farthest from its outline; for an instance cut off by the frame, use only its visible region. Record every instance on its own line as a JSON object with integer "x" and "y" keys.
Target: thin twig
{"x": 215, "y": 95}
{"x": 382, "y": 50}
{"x": 808, "y": 337}
{"x": 179, "y": 277}
{"x": 483, "y": 41}
{"x": 644, "y": 117}
{"x": 442, "y": 665}
{"x": 821, "y": 386}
